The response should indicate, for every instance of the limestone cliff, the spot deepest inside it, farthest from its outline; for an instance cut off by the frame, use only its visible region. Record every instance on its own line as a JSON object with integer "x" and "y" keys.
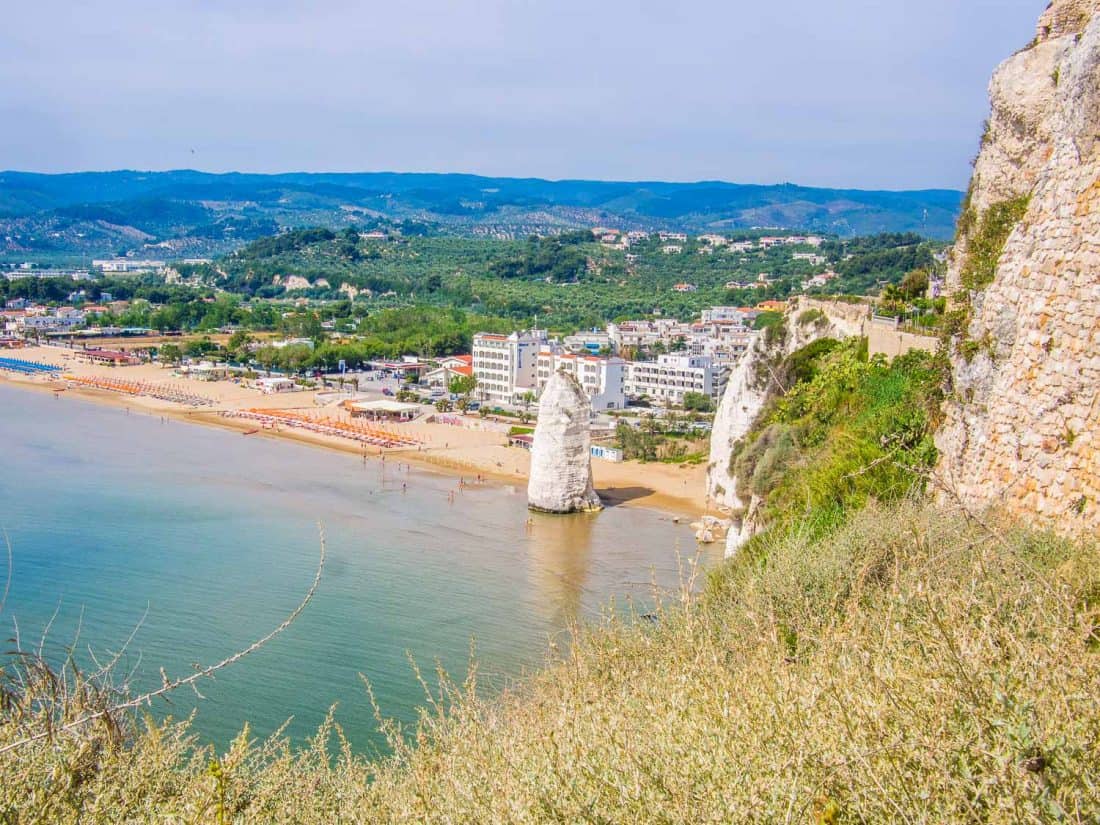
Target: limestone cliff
{"x": 561, "y": 460}
{"x": 752, "y": 382}
{"x": 1022, "y": 428}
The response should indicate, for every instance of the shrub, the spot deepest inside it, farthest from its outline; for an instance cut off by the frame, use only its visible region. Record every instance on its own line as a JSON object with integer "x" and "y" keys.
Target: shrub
{"x": 698, "y": 402}
{"x": 850, "y": 430}
{"x": 813, "y": 317}
{"x": 984, "y": 247}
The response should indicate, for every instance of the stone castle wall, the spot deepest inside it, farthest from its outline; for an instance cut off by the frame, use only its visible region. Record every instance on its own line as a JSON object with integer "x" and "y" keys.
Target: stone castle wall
{"x": 1022, "y": 429}
{"x": 888, "y": 340}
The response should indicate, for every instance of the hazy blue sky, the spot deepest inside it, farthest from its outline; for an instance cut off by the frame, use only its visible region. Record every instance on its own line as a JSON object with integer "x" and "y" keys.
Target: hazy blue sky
{"x": 861, "y": 93}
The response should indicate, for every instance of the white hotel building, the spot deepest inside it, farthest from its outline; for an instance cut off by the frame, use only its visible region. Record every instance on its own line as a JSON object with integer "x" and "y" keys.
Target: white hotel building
{"x": 506, "y": 365}
{"x": 603, "y": 379}
{"x": 667, "y": 379}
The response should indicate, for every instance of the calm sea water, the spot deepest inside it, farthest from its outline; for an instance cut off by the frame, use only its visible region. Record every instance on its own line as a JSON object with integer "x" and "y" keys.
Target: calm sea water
{"x": 212, "y": 536}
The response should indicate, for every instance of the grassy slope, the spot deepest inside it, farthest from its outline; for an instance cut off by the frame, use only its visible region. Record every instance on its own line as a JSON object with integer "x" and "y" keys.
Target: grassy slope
{"x": 883, "y": 662}
{"x": 913, "y": 666}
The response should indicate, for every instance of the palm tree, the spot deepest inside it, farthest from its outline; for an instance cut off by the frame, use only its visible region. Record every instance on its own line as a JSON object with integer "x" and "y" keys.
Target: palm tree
{"x": 526, "y": 399}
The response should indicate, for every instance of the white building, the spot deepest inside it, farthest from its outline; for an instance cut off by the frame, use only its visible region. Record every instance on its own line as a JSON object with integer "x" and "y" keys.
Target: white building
{"x": 127, "y": 265}
{"x": 740, "y": 315}
{"x": 506, "y": 365}
{"x": 274, "y": 384}
{"x": 667, "y": 379}
{"x": 590, "y": 342}
{"x": 450, "y": 368}
{"x": 634, "y": 334}
{"x": 809, "y": 257}
{"x": 809, "y": 240}
{"x": 725, "y": 349}
{"x": 293, "y": 342}
{"x": 603, "y": 379}
{"x": 821, "y": 279}
{"x": 62, "y": 320}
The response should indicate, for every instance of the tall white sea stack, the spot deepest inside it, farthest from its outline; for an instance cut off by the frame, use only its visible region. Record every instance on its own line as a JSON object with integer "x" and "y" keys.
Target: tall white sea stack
{"x": 561, "y": 458}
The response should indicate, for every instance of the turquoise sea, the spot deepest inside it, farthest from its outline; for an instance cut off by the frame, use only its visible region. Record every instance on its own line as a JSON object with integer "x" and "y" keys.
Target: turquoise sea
{"x": 212, "y": 536}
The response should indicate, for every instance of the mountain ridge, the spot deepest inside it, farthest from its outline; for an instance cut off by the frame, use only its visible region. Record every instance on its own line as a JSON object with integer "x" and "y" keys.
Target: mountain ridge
{"x": 34, "y": 204}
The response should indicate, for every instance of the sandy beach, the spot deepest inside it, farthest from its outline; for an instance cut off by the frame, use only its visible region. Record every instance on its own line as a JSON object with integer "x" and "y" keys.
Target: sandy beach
{"x": 463, "y": 451}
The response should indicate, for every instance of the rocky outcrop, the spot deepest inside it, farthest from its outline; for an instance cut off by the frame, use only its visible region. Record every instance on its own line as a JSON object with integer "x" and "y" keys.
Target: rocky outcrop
{"x": 1022, "y": 423}
{"x": 561, "y": 459}
{"x": 710, "y": 529}
{"x": 752, "y": 383}
{"x": 744, "y": 398}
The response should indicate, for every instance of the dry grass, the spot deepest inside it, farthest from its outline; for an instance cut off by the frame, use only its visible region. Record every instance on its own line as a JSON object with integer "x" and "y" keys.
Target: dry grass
{"x": 913, "y": 667}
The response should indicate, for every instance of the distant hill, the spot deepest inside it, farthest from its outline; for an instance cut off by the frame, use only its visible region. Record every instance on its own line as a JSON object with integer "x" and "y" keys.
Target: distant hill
{"x": 189, "y": 212}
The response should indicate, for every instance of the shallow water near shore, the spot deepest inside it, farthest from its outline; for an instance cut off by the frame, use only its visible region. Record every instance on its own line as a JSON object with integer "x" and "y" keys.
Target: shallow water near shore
{"x": 212, "y": 536}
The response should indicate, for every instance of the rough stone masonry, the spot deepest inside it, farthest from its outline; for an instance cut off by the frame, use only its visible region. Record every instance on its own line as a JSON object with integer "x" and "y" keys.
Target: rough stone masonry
{"x": 1022, "y": 428}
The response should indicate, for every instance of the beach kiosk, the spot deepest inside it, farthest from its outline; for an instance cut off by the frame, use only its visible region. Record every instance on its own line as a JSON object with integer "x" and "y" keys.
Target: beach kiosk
{"x": 383, "y": 409}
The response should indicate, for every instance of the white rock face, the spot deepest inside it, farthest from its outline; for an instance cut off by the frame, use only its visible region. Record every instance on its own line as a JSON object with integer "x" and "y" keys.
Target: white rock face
{"x": 751, "y": 384}
{"x": 561, "y": 461}
{"x": 741, "y": 404}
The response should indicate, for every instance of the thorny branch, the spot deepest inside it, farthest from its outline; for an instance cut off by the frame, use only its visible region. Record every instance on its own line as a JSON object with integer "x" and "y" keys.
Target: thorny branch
{"x": 169, "y": 685}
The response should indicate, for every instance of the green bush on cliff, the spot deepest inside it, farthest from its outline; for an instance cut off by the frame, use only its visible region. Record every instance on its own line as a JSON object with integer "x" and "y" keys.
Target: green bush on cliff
{"x": 851, "y": 429}
{"x": 985, "y": 245}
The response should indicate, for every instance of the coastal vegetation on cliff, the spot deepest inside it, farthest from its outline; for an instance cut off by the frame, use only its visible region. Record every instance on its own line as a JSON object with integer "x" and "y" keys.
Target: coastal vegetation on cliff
{"x": 849, "y": 430}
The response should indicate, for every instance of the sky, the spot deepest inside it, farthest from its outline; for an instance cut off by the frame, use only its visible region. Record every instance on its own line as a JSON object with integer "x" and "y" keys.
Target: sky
{"x": 873, "y": 94}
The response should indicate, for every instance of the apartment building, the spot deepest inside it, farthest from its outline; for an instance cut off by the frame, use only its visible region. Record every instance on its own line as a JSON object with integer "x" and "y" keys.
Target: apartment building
{"x": 741, "y": 315}
{"x": 667, "y": 379}
{"x": 647, "y": 333}
{"x": 506, "y": 365}
{"x": 724, "y": 344}
{"x": 603, "y": 379}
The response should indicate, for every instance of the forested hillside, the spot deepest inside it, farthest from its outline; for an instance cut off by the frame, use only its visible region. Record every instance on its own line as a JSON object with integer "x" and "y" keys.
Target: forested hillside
{"x": 187, "y": 213}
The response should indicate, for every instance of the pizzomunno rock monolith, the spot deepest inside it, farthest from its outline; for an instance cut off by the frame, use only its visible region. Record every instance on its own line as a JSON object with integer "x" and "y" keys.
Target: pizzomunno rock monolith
{"x": 561, "y": 459}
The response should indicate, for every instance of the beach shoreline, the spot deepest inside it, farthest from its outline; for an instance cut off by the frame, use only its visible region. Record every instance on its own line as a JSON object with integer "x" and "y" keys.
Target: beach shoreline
{"x": 466, "y": 454}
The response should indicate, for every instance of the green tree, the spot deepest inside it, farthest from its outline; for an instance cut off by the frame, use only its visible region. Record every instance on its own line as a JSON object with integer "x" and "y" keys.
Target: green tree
{"x": 169, "y": 353}
{"x": 698, "y": 402}
{"x": 237, "y": 345}
{"x": 463, "y": 386}
{"x": 201, "y": 347}
{"x": 914, "y": 284}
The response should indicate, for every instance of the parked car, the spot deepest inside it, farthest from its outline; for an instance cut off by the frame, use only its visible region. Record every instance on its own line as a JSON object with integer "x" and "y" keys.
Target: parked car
{"x": 387, "y": 391}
